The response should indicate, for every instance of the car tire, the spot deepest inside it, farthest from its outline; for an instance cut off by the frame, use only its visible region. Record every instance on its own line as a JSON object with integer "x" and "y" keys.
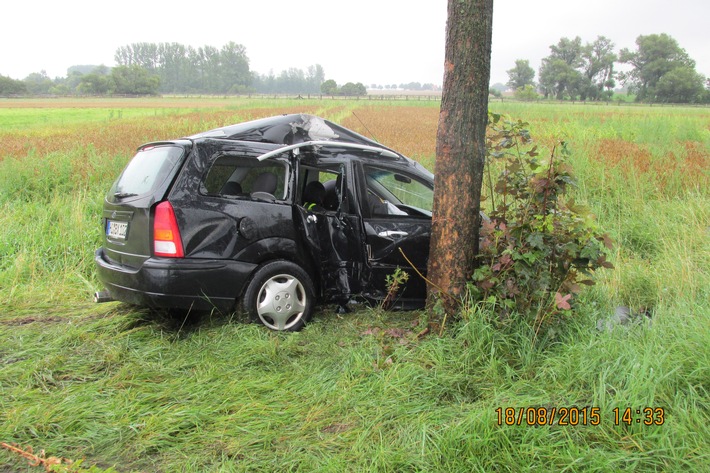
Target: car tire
{"x": 280, "y": 296}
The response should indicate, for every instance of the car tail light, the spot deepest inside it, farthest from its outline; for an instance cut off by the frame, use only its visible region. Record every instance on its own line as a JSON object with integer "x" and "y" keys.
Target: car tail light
{"x": 166, "y": 234}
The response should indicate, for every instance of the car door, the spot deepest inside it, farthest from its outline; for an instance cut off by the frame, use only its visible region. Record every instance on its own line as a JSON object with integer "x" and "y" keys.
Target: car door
{"x": 396, "y": 208}
{"x": 331, "y": 231}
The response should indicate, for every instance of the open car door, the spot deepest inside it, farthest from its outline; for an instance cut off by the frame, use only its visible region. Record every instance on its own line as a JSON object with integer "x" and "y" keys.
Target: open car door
{"x": 397, "y": 222}
{"x": 332, "y": 233}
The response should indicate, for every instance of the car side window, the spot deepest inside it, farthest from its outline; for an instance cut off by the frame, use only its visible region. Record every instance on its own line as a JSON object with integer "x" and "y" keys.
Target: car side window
{"x": 395, "y": 194}
{"x": 239, "y": 176}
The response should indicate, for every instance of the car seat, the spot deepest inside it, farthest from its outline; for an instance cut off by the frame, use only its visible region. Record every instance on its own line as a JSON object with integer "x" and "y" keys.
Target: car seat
{"x": 265, "y": 182}
{"x": 231, "y": 188}
{"x": 313, "y": 196}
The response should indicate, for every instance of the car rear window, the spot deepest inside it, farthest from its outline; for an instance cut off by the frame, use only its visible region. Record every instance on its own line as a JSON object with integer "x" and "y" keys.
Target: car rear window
{"x": 146, "y": 171}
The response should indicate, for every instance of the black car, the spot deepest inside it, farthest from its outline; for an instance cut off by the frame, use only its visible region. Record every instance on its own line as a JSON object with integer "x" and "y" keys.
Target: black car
{"x": 277, "y": 213}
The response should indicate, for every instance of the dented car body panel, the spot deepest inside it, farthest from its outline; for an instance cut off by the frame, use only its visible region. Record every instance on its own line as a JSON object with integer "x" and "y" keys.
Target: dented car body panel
{"x": 190, "y": 222}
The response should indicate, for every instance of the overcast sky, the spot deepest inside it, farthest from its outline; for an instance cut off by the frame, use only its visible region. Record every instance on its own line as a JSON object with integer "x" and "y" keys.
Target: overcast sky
{"x": 368, "y": 41}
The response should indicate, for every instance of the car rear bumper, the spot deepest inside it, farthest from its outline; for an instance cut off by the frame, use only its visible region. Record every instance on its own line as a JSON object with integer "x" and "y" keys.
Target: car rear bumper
{"x": 201, "y": 284}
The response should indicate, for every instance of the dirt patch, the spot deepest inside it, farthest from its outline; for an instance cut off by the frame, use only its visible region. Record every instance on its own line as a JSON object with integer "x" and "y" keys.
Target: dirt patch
{"x": 32, "y": 319}
{"x": 337, "y": 428}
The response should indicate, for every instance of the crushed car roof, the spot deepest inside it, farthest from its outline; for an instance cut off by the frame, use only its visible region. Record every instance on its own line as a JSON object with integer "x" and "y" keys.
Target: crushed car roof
{"x": 288, "y": 130}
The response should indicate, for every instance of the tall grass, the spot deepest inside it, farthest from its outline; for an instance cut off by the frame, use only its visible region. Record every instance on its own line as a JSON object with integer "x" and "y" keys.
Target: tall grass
{"x": 362, "y": 392}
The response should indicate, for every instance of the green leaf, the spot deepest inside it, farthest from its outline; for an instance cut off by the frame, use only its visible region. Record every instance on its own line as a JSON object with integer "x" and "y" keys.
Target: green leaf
{"x": 536, "y": 240}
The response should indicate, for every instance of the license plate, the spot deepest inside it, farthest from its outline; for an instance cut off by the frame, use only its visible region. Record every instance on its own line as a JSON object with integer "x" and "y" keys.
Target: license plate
{"x": 116, "y": 230}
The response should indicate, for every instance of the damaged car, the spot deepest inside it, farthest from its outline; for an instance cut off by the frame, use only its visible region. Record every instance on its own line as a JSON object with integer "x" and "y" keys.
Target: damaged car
{"x": 276, "y": 214}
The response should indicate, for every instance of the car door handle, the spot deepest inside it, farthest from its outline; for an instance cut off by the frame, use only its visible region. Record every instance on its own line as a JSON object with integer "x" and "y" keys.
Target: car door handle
{"x": 391, "y": 233}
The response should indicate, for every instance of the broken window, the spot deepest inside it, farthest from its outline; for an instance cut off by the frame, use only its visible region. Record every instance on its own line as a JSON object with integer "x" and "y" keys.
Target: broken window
{"x": 239, "y": 176}
{"x": 321, "y": 188}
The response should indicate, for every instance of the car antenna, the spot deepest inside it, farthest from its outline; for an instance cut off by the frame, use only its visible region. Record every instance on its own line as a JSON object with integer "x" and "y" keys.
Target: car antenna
{"x": 363, "y": 124}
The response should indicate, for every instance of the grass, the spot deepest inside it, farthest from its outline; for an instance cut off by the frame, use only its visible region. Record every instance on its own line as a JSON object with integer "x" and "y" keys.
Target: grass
{"x": 145, "y": 392}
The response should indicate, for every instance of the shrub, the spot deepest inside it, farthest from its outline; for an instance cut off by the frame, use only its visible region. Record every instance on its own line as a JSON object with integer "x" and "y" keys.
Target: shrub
{"x": 526, "y": 93}
{"x": 539, "y": 245}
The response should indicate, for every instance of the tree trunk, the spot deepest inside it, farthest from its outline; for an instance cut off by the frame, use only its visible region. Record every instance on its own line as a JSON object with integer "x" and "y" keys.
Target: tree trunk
{"x": 460, "y": 150}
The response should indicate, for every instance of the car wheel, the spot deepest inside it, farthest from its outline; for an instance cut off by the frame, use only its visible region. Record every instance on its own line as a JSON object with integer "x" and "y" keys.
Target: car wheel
{"x": 280, "y": 296}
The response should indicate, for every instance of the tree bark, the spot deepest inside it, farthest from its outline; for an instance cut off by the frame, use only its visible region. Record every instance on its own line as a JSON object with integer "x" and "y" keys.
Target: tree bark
{"x": 460, "y": 150}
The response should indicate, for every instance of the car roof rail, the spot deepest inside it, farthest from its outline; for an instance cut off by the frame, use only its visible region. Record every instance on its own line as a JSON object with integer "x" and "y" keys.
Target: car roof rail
{"x": 335, "y": 144}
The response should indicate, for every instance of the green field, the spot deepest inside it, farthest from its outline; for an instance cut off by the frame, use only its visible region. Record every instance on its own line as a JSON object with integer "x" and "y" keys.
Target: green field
{"x": 140, "y": 391}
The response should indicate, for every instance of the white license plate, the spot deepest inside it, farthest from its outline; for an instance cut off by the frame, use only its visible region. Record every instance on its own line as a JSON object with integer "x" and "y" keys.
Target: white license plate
{"x": 117, "y": 230}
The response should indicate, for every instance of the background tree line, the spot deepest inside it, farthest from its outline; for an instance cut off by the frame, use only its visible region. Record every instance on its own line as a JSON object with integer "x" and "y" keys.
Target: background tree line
{"x": 85, "y": 80}
{"x": 168, "y": 68}
{"x": 658, "y": 70}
